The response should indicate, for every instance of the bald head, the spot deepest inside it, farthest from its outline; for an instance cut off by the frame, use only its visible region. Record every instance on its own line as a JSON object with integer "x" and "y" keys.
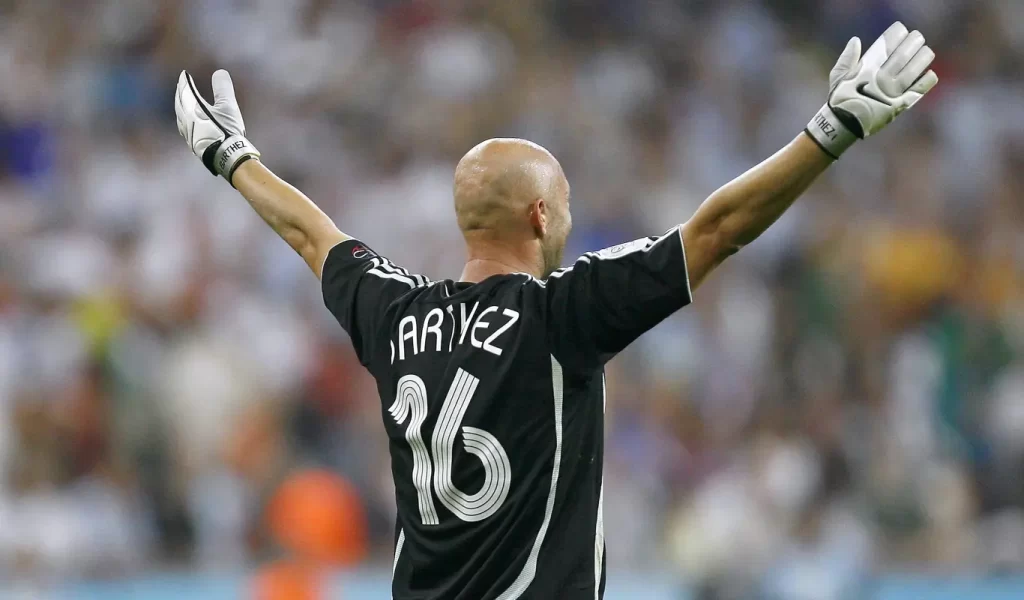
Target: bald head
{"x": 498, "y": 180}
{"x": 513, "y": 191}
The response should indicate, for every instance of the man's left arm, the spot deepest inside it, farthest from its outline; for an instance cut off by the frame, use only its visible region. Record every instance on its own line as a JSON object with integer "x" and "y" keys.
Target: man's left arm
{"x": 744, "y": 208}
{"x": 289, "y": 212}
{"x": 865, "y": 94}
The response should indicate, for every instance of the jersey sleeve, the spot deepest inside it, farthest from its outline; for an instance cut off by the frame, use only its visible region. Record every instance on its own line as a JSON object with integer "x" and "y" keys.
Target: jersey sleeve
{"x": 358, "y": 285}
{"x": 609, "y": 298}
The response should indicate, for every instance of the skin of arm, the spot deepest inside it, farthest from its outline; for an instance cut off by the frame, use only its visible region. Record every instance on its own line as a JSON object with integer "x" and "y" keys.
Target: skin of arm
{"x": 729, "y": 219}
{"x": 744, "y": 208}
{"x": 289, "y": 212}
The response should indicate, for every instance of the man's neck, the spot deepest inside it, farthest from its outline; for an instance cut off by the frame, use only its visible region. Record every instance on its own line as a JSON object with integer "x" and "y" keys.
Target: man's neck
{"x": 477, "y": 270}
{"x": 486, "y": 260}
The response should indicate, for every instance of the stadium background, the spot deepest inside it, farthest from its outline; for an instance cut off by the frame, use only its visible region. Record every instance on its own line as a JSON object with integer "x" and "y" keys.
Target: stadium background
{"x": 840, "y": 412}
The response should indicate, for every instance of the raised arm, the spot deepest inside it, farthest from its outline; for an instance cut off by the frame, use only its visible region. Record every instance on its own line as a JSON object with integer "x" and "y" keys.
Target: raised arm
{"x": 745, "y": 207}
{"x": 289, "y": 212}
{"x": 216, "y": 134}
{"x": 865, "y": 94}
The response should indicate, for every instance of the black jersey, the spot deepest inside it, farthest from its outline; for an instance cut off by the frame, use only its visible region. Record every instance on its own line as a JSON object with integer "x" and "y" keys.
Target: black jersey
{"x": 493, "y": 399}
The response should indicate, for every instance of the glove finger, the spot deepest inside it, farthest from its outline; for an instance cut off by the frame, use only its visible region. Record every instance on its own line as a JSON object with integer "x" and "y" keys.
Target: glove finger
{"x": 924, "y": 84}
{"x": 916, "y": 68}
{"x": 851, "y": 54}
{"x": 182, "y": 85}
{"x": 223, "y": 89}
{"x": 893, "y": 37}
{"x": 884, "y": 46}
{"x": 180, "y": 94}
{"x": 844, "y": 67}
{"x": 903, "y": 54}
{"x": 202, "y": 107}
{"x": 186, "y": 106}
{"x": 179, "y": 110}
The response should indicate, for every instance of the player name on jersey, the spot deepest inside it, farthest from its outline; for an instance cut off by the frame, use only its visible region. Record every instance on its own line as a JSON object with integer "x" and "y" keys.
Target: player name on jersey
{"x": 437, "y": 332}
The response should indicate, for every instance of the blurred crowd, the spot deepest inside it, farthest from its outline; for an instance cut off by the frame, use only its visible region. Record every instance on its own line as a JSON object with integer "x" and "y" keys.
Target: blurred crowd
{"x": 846, "y": 395}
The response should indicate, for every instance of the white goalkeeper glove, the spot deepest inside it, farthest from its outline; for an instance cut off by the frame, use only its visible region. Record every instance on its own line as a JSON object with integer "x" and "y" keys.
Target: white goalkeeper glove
{"x": 867, "y": 93}
{"x": 215, "y": 133}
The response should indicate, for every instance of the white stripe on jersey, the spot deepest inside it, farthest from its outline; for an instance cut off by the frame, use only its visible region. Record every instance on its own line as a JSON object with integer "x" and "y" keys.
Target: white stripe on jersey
{"x": 599, "y": 543}
{"x": 398, "y": 553}
{"x": 530, "y": 568}
{"x": 398, "y": 550}
{"x": 384, "y": 275}
{"x": 599, "y": 529}
{"x": 386, "y": 265}
{"x": 386, "y": 269}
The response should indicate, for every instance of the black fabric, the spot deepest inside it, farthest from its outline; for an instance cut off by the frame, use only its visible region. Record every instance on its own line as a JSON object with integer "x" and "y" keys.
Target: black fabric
{"x": 523, "y": 359}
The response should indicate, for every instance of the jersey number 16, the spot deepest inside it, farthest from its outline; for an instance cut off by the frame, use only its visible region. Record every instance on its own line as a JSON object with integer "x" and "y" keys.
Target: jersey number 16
{"x": 411, "y": 400}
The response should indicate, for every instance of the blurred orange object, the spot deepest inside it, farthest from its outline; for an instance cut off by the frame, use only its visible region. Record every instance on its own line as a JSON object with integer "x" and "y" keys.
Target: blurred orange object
{"x": 286, "y": 580}
{"x": 318, "y": 516}
{"x": 911, "y": 268}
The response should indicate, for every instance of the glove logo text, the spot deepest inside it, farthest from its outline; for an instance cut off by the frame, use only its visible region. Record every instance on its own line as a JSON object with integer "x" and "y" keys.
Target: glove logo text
{"x": 826, "y": 127}
{"x": 235, "y": 147}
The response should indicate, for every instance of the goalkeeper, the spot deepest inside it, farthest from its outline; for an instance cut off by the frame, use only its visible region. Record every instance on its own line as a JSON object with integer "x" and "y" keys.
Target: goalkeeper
{"x": 516, "y": 512}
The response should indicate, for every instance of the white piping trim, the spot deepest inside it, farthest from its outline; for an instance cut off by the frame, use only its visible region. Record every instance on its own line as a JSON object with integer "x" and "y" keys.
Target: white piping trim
{"x": 398, "y": 550}
{"x": 686, "y": 268}
{"x": 398, "y": 553}
{"x": 599, "y": 544}
{"x": 599, "y": 528}
{"x": 530, "y": 568}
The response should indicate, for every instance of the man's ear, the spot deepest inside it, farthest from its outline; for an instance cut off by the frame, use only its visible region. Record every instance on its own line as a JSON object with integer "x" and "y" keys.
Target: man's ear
{"x": 539, "y": 218}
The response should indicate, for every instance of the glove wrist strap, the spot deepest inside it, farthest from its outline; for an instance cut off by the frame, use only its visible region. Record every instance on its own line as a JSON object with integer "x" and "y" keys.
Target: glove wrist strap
{"x": 829, "y": 132}
{"x": 231, "y": 153}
